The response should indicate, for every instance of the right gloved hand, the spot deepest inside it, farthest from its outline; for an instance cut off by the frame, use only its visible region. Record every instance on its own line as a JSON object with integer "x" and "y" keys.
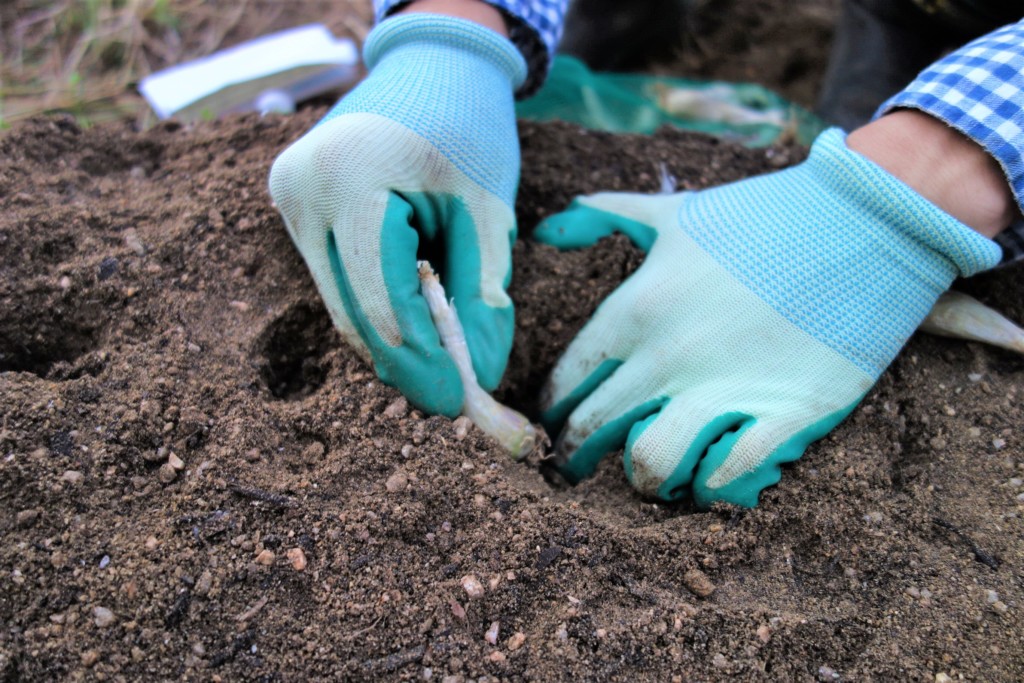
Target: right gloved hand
{"x": 765, "y": 311}
{"x": 425, "y": 148}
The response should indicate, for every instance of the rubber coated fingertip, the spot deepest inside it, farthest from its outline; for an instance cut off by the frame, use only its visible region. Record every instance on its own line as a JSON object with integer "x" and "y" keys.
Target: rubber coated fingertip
{"x": 428, "y": 379}
{"x": 658, "y": 464}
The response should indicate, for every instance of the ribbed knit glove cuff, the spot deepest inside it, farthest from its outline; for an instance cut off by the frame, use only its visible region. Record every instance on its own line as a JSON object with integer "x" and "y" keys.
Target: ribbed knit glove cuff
{"x": 436, "y": 29}
{"x": 900, "y": 209}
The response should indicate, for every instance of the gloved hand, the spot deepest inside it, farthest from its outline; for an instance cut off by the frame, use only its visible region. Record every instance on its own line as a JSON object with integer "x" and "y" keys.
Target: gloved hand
{"x": 763, "y": 313}
{"x": 424, "y": 149}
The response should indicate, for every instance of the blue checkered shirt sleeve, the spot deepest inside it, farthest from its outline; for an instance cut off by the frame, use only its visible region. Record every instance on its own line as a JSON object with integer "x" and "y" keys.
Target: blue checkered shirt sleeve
{"x": 534, "y": 26}
{"x": 979, "y": 90}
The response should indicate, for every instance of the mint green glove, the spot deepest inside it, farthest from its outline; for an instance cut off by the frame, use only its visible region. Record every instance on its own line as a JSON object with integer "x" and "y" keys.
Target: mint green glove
{"x": 763, "y": 313}
{"x": 424, "y": 151}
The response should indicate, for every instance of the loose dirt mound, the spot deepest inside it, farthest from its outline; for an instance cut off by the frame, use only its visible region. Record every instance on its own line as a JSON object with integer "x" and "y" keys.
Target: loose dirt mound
{"x": 154, "y": 314}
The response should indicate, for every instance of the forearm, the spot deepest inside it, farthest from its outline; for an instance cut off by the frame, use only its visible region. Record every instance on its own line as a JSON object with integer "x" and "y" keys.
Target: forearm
{"x": 944, "y": 166}
{"x": 955, "y": 133}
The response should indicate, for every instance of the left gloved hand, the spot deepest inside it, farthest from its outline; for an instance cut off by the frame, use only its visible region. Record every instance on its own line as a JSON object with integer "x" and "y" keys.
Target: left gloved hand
{"x": 423, "y": 152}
{"x": 765, "y": 311}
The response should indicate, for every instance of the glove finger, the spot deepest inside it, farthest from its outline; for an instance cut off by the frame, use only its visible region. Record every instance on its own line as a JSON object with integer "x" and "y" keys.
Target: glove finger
{"x": 589, "y": 218}
{"x": 601, "y": 423}
{"x": 477, "y": 273}
{"x": 594, "y": 354}
{"x": 378, "y": 283}
{"x": 664, "y": 450}
{"x": 743, "y": 463}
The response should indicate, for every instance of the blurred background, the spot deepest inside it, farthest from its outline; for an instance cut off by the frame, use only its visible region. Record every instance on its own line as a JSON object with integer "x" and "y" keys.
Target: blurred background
{"x": 85, "y": 57}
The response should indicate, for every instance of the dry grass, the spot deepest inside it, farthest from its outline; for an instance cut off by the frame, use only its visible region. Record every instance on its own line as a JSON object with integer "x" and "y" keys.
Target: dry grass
{"x": 86, "y": 56}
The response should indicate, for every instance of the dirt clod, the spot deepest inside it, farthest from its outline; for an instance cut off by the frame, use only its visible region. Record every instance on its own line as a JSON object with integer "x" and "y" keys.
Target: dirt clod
{"x": 698, "y": 582}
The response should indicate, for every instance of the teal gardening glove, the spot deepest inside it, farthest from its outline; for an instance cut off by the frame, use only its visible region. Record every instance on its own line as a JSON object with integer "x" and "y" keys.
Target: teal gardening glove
{"x": 764, "y": 312}
{"x": 425, "y": 148}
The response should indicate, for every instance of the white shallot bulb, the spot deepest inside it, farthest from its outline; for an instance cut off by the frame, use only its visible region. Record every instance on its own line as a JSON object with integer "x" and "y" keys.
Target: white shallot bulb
{"x": 957, "y": 315}
{"x": 509, "y": 428}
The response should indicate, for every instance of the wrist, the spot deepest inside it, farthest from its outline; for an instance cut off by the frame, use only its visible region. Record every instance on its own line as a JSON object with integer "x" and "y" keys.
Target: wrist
{"x": 474, "y": 10}
{"x": 942, "y": 165}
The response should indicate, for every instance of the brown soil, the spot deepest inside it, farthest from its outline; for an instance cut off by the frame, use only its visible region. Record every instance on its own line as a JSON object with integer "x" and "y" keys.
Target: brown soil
{"x": 153, "y": 304}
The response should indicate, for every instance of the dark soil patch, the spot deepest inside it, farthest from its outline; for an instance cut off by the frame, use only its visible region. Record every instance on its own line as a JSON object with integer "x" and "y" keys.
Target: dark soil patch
{"x": 153, "y": 304}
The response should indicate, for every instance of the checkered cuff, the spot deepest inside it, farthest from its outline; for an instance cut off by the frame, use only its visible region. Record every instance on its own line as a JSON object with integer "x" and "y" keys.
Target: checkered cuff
{"x": 979, "y": 90}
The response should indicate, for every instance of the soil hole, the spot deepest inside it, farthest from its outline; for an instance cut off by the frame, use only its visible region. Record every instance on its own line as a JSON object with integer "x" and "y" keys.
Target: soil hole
{"x": 292, "y": 348}
{"x": 35, "y": 339}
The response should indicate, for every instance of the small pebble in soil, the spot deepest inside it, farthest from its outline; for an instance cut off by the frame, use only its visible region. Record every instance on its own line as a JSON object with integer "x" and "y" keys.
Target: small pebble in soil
{"x": 458, "y": 611}
{"x": 398, "y": 481}
{"x": 159, "y": 455}
{"x": 265, "y": 557}
{"x": 174, "y": 461}
{"x": 491, "y": 636}
{"x": 102, "y": 616}
{"x": 297, "y": 559}
{"x": 104, "y": 561}
{"x": 167, "y": 473}
{"x": 698, "y": 583}
{"x": 204, "y": 583}
{"x": 89, "y": 657}
{"x": 474, "y": 589}
{"x": 132, "y": 241}
{"x": 72, "y": 477}
{"x": 462, "y": 425}
{"x": 516, "y": 641}
{"x": 397, "y": 408}
{"x": 152, "y": 542}
{"x": 497, "y": 656}
{"x": 764, "y": 633}
{"x": 943, "y": 678}
{"x": 826, "y": 674}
